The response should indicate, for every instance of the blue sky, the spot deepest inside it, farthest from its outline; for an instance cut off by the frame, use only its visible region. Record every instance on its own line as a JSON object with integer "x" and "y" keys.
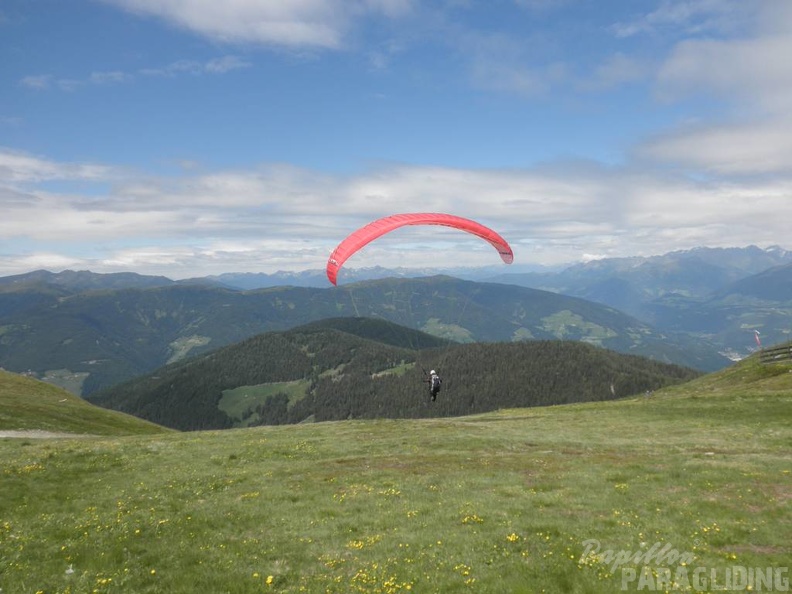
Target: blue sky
{"x": 190, "y": 137}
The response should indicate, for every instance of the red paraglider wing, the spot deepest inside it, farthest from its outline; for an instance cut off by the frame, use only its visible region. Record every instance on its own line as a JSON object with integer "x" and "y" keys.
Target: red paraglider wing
{"x": 377, "y": 228}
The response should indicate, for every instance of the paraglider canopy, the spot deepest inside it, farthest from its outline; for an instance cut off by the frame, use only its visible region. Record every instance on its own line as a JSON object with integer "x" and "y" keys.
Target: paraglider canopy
{"x": 375, "y": 229}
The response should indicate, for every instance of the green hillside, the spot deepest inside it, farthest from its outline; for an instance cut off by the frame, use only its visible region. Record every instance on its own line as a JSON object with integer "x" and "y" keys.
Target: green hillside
{"x": 353, "y": 368}
{"x": 686, "y": 490}
{"x": 29, "y": 404}
{"x": 105, "y": 337}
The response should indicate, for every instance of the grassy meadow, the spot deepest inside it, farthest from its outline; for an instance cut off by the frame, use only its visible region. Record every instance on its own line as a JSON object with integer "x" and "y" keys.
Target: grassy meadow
{"x": 28, "y": 404}
{"x": 238, "y": 403}
{"x": 534, "y": 500}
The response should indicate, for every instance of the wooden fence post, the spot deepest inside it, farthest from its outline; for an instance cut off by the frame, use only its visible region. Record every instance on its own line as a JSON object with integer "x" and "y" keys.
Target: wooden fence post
{"x": 777, "y": 353}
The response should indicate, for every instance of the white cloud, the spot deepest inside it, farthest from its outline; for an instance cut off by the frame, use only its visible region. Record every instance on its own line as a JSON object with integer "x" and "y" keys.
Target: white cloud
{"x": 220, "y": 65}
{"x": 280, "y": 217}
{"x": 614, "y": 71}
{"x": 214, "y": 66}
{"x": 225, "y": 64}
{"x": 492, "y": 74}
{"x": 751, "y": 67}
{"x": 752, "y": 70}
{"x": 747, "y": 77}
{"x": 115, "y": 76}
{"x": 192, "y": 67}
{"x": 692, "y": 17}
{"x": 17, "y": 166}
{"x": 38, "y": 82}
{"x": 741, "y": 149}
{"x": 297, "y": 23}
{"x": 729, "y": 182}
{"x": 38, "y": 261}
{"x": 44, "y": 82}
{"x": 536, "y": 67}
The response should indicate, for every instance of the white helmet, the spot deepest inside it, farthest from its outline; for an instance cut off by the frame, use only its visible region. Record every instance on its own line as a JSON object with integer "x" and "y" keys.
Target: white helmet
{"x": 433, "y": 372}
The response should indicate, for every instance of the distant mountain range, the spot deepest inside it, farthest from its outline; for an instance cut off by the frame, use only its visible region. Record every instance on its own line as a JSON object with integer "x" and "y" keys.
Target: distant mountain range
{"x": 633, "y": 284}
{"x": 699, "y": 308}
{"x": 697, "y": 272}
{"x": 351, "y": 368}
{"x": 721, "y": 295}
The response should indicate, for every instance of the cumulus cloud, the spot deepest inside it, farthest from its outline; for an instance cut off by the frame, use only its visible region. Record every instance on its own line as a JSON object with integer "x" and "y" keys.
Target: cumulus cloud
{"x": 752, "y": 84}
{"x": 301, "y": 23}
{"x": 287, "y": 218}
{"x": 723, "y": 180}
{"x": 757, "y": 147}
{"x": 751, "y": 70}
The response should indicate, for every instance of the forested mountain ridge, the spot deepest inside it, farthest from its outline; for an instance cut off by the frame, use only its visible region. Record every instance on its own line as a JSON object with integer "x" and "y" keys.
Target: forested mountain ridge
{"x": 100, "y": 338}
{"x": 327, "y": 371}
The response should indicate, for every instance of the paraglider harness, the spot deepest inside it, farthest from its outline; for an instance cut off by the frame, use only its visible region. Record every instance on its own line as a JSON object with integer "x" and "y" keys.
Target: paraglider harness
{"x": 434, "y": 384}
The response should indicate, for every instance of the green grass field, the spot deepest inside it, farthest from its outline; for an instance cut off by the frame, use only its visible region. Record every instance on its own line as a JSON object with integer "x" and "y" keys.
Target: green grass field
{"x": 27, "y": 404}
{"x": 239, "y": 402}
{"x": 693, "y": 484}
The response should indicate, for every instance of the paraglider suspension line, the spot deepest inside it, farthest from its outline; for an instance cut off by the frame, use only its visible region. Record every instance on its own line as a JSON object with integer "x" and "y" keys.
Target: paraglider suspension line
{"x": 354, "y": 304}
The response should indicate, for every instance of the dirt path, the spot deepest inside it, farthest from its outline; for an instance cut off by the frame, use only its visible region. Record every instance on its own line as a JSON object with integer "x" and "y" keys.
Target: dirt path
{"x": 37, "y": 434}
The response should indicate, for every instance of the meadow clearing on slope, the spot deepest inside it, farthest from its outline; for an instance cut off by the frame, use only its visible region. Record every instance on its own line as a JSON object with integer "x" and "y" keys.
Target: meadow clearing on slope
{"x": 693, "y": 479}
